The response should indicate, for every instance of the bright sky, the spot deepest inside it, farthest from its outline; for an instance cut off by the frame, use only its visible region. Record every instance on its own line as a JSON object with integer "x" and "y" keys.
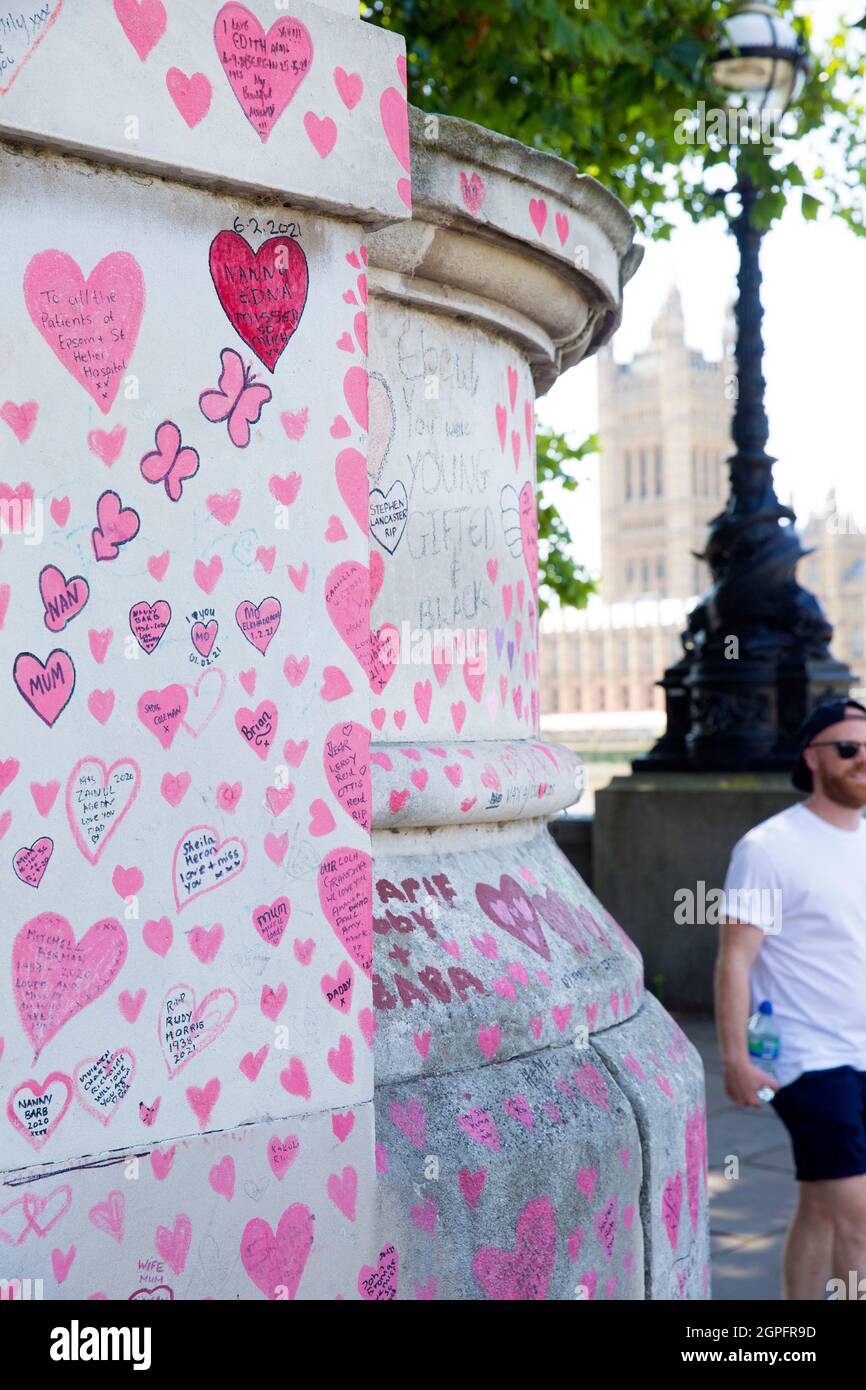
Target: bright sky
{"x": 814, "y": 297}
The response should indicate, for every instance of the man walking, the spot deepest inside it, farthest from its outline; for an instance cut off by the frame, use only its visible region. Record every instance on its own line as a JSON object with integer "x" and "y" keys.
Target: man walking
{"x": 810, "y": 963}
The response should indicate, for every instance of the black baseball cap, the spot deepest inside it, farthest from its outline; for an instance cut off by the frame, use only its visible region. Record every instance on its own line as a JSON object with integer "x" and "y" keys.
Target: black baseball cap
{"x": 821, "y": 717}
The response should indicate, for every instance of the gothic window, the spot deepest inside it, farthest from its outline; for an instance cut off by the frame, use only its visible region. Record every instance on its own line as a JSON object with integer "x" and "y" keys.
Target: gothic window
{"x": 628, "y": 481}
{"x": 659, "y": 487}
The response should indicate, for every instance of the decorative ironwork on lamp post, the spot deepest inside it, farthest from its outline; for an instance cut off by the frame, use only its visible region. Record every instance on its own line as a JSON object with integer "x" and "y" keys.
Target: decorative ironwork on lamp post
{"x": 756, "y": 652}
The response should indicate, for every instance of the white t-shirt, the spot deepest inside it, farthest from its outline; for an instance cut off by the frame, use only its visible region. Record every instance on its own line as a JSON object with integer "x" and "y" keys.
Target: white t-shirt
{"x": 812, "y": 961}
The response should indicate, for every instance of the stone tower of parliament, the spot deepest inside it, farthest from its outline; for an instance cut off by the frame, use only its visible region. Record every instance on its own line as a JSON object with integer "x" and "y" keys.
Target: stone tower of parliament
{"x": 664, "y": 426}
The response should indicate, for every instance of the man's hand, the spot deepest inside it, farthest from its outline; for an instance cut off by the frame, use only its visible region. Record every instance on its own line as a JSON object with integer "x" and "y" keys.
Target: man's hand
{"x": 743, "y": 1080}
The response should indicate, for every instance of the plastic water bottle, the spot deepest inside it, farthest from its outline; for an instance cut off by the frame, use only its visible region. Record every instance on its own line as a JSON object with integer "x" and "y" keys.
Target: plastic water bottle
{"x": 763, "y": 1039}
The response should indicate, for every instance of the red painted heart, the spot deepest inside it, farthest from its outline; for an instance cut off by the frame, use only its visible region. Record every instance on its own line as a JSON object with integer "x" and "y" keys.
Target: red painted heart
{"x": 263, "y": 292}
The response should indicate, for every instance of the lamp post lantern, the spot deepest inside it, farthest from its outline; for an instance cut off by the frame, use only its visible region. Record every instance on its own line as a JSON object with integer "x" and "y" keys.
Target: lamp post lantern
{"x": 756, "y": 650}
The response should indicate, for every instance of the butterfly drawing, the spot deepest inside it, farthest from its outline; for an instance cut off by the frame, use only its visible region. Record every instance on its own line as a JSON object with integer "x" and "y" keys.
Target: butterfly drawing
{"x": 238, "y": 398}
{"x": 170, "y": 463}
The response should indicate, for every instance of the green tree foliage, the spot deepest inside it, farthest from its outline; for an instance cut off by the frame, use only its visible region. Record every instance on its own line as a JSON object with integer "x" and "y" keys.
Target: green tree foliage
{"x": 606, "y": 84}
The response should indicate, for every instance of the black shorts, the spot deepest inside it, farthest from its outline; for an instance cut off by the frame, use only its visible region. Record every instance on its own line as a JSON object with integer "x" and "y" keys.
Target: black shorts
{"x": 825, "y": 1115}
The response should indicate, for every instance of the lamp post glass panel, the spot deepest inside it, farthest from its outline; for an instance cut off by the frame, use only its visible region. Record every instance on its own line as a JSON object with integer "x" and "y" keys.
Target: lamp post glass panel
{"x": 756, "y": 654}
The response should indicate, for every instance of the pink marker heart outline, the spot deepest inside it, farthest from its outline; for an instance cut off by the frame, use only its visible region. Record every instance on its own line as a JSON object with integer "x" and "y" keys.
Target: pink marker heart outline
{"x": 39, "y": 1090}
{"x": 213, "y": 1028}
{"x": 220, "y": 845}
{"x": 107, "y": 773}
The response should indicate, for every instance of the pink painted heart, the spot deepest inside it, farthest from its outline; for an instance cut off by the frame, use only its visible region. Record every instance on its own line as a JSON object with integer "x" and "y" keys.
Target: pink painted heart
{"x": 31, "y": 862}
{"x": 341, "y": 1059}
{"x": 411, "y": 1120}
{"x": 338, "y": 992}
{"x": 345, "y": 895}
{"x": 472, "y": 191}
{"x": 158, "y": 936}
{"x": 21, "y": 419}
{"x": 108, "y": 1216}
{"x": 44, "y": 796}
{"x": 346, "y": 760}
{"x": 207, "y": 576}
{"x": 131, "y": 1005}
{"x": 529, "y": 533}
{"x": 98, "y": 797}
{"x": 55, "y": 976}
{"x": 259, "y": 622}
{"x": 55, "y": 287}
{"x": 203, "y": 636}
{"x": 538, "y": 214}
{"x": 350, "y": 85}
{"x": 191, "y": 95}
{"x": 275, "y": 1260}
{"x": 116, "y": 525}
{"x": 143, "y": 22}
{"x": 258, "y": 728}
{"x": 36, "y": 1108}
{"x": 472, "y": 1185}
{"x": 185, "y": 1028}
{"x": 202, "y": 862}
{"x": 173, "y": 1245}
{"x": 205, "y": 943}
{"x": 321, "y": 132}
{"x": 282, "y": 1154}
{"x": 270, "y": 921}
{"x": 347, "y": 599}
{"x": 395, "y": 123}
{"x": 264, "y": 70}
{"x": 163, "y": 711}
{"x": 224, "y": 506}
{"x": 510, "y": 908}
{"x": 294, "y": 1079}
{"x": 103, "y": 1083}
{"x": 480, "y": 1126}
{"x": 524, "y": 1272}
{"x": 591, "y": 1084}
{"x": 343, "y": 1191}
{"x": 46, "y": 686}
{"x": 379, "y": 1285}
{"x": 351, "y": 471}
{"x": 672, "y": 1201}
{"x": 107, "y": 444}
{"x": 222, "y": 1177}
{"x": 148, "y": 622}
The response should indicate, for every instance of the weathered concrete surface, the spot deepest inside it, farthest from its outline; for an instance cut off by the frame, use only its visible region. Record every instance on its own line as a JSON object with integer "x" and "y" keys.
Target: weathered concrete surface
{"x": 496, "y": 1182}
{"x": 508, "y": 1160}
{"x": 487, "y": 946}
{"x": 654, "y": 834}
{"x": 487, "y": 782}
{"x": 662, "y": 1075}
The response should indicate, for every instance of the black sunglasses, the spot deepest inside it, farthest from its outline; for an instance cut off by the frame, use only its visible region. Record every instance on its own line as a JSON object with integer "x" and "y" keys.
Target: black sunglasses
{"x": 846, "y": 748}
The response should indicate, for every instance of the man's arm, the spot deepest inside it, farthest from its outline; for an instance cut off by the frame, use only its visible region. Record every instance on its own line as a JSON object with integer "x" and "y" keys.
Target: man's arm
{"x": 739, "y": 944}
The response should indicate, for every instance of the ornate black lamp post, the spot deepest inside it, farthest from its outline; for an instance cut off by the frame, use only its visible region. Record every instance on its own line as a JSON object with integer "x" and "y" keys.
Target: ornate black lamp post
{"x": 755, "y": 653}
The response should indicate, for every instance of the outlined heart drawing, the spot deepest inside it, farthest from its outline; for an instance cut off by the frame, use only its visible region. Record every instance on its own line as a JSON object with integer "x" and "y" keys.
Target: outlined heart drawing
{"x": 187, "y": 1028}
{"x": 97, "y": 799}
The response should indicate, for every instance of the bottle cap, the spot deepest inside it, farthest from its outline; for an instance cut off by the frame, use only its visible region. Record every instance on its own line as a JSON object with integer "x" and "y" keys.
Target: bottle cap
{"x": 765, "y": 1007}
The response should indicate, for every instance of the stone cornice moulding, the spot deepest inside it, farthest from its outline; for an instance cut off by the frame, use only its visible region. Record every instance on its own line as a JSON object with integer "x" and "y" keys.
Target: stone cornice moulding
{"x": 512, "y": 236}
